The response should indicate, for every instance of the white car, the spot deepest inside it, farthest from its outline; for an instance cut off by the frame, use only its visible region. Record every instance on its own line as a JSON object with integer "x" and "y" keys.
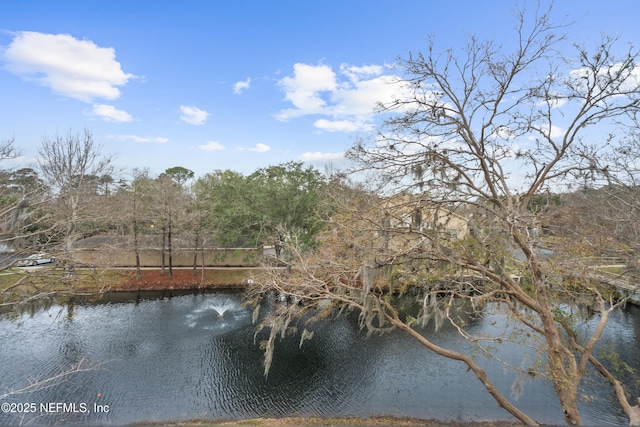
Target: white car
{"x": 36, "y": 259}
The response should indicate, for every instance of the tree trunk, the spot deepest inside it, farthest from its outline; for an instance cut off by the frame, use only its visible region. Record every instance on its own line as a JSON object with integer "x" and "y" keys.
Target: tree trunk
{"x": 633, "y": 412}
{"x": 164, "y": 245}
{"x": 202, "y": 260}
{"x": 69, "y": 240}
{"x": 136, "y": 249}
{"x": 502, "y": 401}
{"x": 195, "y": 255}
{"x": 562, "y": 363}
{"x": 170, "y": 249}
{"x": 137, "y": 252}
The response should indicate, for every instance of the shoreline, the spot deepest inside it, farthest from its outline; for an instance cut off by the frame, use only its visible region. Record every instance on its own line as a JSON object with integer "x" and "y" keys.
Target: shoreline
{"x": 227, "y": 278}
{"x": 21, "y": 285}
{"x": 332, "y": 421}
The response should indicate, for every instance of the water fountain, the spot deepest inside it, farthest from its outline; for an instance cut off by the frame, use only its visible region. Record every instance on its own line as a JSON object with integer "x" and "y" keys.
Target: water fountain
{"x": 219, "y": 313}
{"x": 224, "y": 305}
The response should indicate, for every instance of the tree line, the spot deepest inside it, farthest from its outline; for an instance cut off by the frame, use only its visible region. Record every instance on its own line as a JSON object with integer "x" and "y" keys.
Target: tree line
{"x": 72, "y": 195}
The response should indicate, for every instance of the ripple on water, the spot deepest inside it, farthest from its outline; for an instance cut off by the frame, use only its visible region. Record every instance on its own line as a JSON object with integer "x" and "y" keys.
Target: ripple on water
{"x": 175, "y": 359}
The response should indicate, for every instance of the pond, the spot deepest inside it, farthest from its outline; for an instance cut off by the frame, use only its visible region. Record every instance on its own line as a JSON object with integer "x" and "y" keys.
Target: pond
{"x": 194, "y": 356}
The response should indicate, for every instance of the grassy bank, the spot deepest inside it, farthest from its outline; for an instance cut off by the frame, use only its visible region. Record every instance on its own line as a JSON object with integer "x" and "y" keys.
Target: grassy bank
{"x": 24, "y": 284}
{"x": 337, "y": 421}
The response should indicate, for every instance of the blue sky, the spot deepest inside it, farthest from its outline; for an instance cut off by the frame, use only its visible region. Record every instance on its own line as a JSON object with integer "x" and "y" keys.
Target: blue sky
{"x": 232, "y": 84}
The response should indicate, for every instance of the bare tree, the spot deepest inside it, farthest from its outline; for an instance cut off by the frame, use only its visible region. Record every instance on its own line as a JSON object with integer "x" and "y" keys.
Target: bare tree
{"x": 8, "y": 149}
{"x": 169, "y": 209}
{"x": 23, "y": 224}
{"x": 474, "y": 137}
{"x": 69, "y": 163}
{"x": 37, "y": 384}
{"x": 196, "y": 226}
{"x": 138, "y": 202}
{"x": 18, "y": 191}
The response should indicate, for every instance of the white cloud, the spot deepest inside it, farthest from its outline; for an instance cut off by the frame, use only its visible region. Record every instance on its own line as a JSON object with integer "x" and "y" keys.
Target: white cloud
{"x": 583, "y": 78}
{"x": 110, "y": 114}
{"x": 239, "y": 87}
{"x": 347, "y": 100}
{"x": 139, "y": 139}
{"x": 304, "y": 89}
{"x": 193, "y": 115}
{"x": 320, "y": 157}
{"x": 211, "y": 146}
{"x": 337, "y": 125}
{"x": 502, "y": 133}
{"x": 555, "y": 101}
{"x": 258, "y": 148}
{"x": 18, "y": 161}
{"x": 74, "y": 68}
{"x": 361, "y": 98}
{"x": 556, "y": 132}
{"x": 356, "y": 73}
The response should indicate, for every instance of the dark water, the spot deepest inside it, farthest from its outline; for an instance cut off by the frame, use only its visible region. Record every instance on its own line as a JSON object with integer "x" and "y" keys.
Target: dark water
{"x": 176, "y": 359}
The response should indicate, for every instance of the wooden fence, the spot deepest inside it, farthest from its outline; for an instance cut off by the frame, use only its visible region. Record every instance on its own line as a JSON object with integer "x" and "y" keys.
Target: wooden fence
{"x": 213, "y": 257}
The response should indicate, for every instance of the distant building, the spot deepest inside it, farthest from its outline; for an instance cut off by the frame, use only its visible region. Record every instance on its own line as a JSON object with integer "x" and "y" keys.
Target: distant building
{"x": 407, "y": 218}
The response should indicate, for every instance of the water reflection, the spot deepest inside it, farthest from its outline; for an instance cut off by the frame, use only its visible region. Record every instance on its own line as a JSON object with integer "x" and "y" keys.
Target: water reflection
{"x": 195, "y": 356}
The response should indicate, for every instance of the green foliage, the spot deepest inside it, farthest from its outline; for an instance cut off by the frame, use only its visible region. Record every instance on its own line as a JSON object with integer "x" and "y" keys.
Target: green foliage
{"x": 289, "y": 196}
{"x": 540, "y": 202}
{"x": 229, "y": 201}
{"x": 7, "y": 200}
{"x": 263, "y": 206}
{"x": 179, "y": 174}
